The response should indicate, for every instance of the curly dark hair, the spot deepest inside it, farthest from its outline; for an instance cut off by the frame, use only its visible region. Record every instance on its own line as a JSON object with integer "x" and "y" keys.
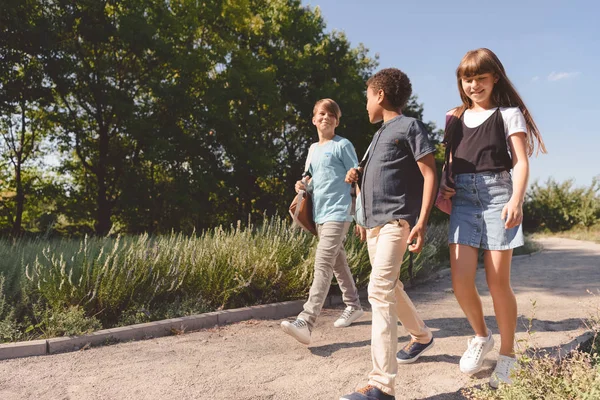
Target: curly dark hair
{"x": 394, "y": 83}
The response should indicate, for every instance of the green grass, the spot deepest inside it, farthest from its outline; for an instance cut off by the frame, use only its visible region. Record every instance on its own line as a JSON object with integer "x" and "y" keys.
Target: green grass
{"x": 591, "y": 234}
{"x": 63, "y": 286}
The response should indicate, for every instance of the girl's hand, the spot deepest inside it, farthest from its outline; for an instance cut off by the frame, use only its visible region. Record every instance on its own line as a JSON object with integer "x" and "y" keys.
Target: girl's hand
{"x": 447, "y": 192}
{"x": 512, "y": 213}
{"x": 361, "y": 232}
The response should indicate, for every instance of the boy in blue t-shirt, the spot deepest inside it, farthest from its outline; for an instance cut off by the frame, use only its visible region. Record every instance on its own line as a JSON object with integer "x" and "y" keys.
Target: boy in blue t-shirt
{"x": 327, "y": 163}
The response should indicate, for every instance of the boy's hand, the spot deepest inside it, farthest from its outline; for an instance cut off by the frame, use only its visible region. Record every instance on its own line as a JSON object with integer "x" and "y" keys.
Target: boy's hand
{"x": 361, "y": 232}
{"x": 352, "y": 175}
{"x": 418, "y": 233}
{"x": 447, "y": 192}
{"x": 300, "y": 185}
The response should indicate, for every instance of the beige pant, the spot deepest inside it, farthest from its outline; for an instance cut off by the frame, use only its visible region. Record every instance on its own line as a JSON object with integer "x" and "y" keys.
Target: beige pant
{"x": 389, "y": 302}
{"x": 330, "y": 260}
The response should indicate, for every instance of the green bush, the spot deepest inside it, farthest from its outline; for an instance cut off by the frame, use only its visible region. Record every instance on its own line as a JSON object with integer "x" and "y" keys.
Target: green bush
{"x": 559, "y": 206}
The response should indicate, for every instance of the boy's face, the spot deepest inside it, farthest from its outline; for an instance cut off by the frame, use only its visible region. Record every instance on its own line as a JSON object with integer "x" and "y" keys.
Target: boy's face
{"x": 374, "y": 108}
{"x": 325, "y": 121}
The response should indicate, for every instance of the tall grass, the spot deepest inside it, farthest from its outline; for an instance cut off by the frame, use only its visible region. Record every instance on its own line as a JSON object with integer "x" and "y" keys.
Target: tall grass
{"x": 128, "y": 279}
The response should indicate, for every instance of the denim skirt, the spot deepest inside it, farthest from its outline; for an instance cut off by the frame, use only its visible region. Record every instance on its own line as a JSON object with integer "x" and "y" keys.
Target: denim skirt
{"x": 476, "y": 217}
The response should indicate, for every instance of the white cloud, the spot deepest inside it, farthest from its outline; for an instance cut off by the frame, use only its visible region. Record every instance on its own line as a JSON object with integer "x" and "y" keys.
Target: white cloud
{"x": 535, "y": 79}
{"x": 557, "y": 76}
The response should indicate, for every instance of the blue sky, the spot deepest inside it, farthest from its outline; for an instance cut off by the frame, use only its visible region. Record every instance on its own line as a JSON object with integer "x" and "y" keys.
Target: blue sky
{"x": 550, "y": 50}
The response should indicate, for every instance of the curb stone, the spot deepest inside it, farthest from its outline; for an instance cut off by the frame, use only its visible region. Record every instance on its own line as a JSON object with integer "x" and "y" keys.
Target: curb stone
{"x": 23, "y": 349}
{"x": 150, "y": 330}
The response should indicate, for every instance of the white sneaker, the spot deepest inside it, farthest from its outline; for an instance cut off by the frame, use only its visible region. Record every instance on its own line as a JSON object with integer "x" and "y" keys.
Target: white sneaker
{"x": 472, "y": 360}
{"x": 297, "y": 329}
{"x": 349, "y": 315}
{"x": 504, "y": 367}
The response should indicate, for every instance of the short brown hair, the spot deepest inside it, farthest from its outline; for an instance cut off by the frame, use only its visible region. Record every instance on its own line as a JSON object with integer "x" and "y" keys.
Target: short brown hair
{"x": 394, "y": 83}
{"x": 330, "y": 106}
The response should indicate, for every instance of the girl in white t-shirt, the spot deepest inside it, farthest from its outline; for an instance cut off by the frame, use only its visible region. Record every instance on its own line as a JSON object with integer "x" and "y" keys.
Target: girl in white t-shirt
{"x": 489, "y": 135}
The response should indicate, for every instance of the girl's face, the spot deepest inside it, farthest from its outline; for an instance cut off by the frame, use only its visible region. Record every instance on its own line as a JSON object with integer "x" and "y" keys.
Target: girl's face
{"x": 479, "y": 87}
{"x": 324, "y": 120}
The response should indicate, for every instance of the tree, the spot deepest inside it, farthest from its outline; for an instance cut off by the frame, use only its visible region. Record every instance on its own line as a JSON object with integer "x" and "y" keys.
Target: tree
{"x": 24, "y": 97}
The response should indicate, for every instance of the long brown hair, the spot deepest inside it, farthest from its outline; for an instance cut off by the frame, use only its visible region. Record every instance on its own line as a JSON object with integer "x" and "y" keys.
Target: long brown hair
{"x": 504, "y": 94}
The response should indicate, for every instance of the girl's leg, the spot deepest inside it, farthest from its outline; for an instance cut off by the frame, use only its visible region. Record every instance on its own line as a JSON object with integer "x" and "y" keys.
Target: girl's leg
{"x": 497, "y": 270}
{"x": 463, "y": 267}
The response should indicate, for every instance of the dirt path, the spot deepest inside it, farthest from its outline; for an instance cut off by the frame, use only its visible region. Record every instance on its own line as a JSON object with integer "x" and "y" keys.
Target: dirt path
{"x": 255, "y": 360}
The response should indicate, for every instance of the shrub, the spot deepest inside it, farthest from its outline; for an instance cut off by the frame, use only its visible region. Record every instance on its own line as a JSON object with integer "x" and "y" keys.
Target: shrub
{"x": 560, "y": 206}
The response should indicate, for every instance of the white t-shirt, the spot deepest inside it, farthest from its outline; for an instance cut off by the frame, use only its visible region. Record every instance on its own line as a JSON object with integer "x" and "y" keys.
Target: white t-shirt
{"x": 514, "y": 121}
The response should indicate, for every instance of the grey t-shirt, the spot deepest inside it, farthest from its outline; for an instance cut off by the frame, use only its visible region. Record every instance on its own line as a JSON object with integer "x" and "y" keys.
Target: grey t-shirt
{"x": 392, "y": 184}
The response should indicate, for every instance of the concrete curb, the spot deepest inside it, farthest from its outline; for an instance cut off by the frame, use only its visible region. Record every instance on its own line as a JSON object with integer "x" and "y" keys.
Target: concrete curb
{"x": 23, "y": 349}
{"x": 152, "y": 329}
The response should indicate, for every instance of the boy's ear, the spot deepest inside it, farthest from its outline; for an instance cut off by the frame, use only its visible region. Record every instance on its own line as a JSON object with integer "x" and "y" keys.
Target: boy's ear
{"x": 496, "y": 78}
{"x": 313, "y": 121}
{"x": 380, "y": 96}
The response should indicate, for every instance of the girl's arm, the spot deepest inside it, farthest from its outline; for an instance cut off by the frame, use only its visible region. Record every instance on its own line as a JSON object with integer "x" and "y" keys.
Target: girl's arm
{"x": 512, "y": 212}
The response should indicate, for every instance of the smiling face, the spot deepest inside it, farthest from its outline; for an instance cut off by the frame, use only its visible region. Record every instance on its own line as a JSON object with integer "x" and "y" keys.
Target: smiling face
{"x": 479, "y": 88}
{"x": 325, "y": 120}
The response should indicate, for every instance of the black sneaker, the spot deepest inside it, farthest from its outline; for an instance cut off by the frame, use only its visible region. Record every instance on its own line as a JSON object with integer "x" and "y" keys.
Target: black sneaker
{"x": 368, "y": 393}
{"x": 412, "y": 351}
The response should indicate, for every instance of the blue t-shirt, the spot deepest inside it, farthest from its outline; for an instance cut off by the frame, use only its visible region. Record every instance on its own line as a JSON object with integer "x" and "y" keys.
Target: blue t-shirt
{"x": 328, "y": 166}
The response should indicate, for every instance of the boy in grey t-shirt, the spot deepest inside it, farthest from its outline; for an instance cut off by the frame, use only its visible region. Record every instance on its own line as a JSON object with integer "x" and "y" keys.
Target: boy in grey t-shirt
{"x": 397, "y": 191}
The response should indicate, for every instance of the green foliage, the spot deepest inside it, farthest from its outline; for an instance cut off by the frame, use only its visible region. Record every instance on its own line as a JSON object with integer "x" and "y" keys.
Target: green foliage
{"x": 63, "y": 286}
{"x": 67, "y": 321}
{"x": 559, "y": 206}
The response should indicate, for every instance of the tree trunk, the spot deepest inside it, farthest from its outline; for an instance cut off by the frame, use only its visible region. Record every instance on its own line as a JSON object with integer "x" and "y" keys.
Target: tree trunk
{"x": 103, "y": 204}
{"x": 20, "y": 200}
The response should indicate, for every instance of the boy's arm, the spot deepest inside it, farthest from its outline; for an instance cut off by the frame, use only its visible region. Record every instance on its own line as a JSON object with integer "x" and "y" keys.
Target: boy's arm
{"x": 427, "y": 166}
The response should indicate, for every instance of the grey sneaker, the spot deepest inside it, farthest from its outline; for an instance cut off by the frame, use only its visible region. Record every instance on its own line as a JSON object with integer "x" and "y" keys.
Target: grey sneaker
{"x": 298, "y": 329}
{"x": 349, "y": 315}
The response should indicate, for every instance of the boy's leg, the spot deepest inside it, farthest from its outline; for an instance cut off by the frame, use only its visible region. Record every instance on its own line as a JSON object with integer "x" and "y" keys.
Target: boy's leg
{"x": 331, "y": 236}
{"x": 344, "y": 278}
{"x": 387, "y": 245}
{"x": 405, "y": 309}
